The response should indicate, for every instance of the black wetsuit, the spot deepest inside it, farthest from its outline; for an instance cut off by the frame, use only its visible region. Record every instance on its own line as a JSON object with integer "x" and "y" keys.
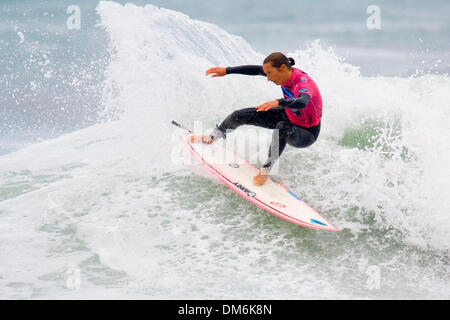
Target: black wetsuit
{"x": 275, "y": 118}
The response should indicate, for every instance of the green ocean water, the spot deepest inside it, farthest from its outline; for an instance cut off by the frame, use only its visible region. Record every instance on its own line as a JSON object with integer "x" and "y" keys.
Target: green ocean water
{"x": 95, "y": 202}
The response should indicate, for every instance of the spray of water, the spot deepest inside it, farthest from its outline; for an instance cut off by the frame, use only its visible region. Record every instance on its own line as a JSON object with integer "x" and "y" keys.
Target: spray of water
{"x": 107, "y": 204}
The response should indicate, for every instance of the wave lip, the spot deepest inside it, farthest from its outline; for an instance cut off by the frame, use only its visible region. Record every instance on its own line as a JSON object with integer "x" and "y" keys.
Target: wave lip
{"x": 107, "y": 199}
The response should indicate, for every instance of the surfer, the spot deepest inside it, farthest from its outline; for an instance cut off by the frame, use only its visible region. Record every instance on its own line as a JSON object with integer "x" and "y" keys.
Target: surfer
{"x": 296, "y": 117}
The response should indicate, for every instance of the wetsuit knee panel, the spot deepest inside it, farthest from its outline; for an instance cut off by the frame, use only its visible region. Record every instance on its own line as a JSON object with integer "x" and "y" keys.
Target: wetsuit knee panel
{"x": 283, "y": 126}
{"x": 303, "y": 140}
{"x": 239, "y": 115}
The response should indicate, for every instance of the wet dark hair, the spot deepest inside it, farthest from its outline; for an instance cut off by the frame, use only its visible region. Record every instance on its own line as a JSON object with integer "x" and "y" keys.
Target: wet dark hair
{"x": 276, "y": 59}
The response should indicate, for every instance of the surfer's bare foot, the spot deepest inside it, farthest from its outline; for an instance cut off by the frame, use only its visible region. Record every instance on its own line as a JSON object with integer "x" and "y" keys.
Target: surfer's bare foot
{"x": 197, "y": 138}
{"x": 260, "y": 178}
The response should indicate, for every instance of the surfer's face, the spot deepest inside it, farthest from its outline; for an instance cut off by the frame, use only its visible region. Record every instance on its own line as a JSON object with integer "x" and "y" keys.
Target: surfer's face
{"x": 276, "y": 75}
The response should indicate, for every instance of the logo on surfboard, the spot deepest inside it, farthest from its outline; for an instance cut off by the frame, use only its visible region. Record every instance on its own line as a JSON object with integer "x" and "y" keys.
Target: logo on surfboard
{"x": 247, "y": 192}
{"x": 233, "y": 165}
{"x": 277, "y": 204}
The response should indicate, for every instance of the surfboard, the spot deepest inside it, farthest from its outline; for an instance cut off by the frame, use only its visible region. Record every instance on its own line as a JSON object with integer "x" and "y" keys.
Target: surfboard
{"x": 237, "y": 174}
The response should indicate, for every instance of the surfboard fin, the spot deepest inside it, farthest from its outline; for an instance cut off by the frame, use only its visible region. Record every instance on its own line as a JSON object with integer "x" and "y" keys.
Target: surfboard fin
{"x": 180, "y": 126}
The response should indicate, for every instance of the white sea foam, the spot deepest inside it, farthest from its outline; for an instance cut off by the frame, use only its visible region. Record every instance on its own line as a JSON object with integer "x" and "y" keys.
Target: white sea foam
{"x": 108, "y": 200}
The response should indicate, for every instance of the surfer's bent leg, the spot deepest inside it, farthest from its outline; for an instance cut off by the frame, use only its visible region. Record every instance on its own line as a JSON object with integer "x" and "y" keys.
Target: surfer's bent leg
{"x": 289, "y": 133}
{"x": 279, "y": 141}
{"x": 303, "y": 137}
{"x": 248, "y": 116}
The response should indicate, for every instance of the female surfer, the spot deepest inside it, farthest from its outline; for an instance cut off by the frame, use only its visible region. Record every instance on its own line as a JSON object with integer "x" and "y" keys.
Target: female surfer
{"x": 296, "y": 117}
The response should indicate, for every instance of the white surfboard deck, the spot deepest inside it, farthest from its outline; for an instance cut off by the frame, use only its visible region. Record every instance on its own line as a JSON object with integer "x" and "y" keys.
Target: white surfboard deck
{"x": 238, "y": 174}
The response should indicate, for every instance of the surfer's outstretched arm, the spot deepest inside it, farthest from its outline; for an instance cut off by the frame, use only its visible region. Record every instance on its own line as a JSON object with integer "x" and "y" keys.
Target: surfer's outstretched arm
{"x": 295, "y": 103}
{"x": 251, "y": 70}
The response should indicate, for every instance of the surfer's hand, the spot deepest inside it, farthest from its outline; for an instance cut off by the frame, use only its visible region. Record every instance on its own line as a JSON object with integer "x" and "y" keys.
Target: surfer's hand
{"x": 267, "y": 106}
{"x": 216, "y": 71}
